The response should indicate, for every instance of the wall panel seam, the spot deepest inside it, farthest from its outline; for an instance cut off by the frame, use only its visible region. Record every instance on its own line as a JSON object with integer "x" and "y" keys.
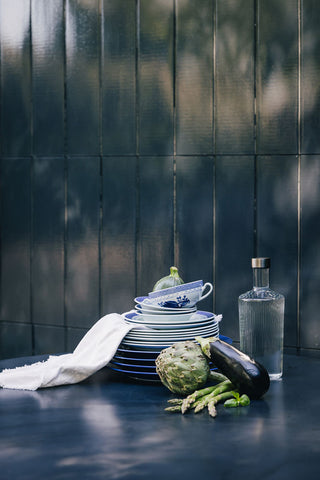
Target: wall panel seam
{"x": 214, "y": 252}
{"x": 32, "y": 160}
{"x": 255, "y": 180}
{"x": 100, "y": 35}
{"x": 299, "y": 139}
{"x": 174, "y": 74}
{"x": 65, "y": 148}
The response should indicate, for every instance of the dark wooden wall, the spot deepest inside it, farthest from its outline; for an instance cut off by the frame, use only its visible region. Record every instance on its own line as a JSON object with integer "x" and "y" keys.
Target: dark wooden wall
{"x": 138, "y": 134}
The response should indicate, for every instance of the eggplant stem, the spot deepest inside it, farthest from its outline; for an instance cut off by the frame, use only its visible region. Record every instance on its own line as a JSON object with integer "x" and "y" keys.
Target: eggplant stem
{"x": 205, "y": 344}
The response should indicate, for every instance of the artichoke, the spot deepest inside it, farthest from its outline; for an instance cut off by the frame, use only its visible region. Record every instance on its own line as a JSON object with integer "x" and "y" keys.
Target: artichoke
{"x": 169, "y": 281}
{"x": 183, "y": 368}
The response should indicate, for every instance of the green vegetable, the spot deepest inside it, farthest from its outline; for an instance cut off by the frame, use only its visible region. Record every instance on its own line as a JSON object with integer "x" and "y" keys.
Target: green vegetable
{"x": 173, "y": 409}
{"x": 244, "y": 400}
{"x": 216, "y": 376}
{"x": 232, "y": 402}
{"x": 213, "y": 402}
{"x": 208, "y": 396}
{"x": 193, "y": 397}
{"x": 247, "y": 375}
{"x": 169, "y": 281}
{"x": 238, "y": 401}
{"x": 220, "y": 388}
{"x": 175, "y": 401}
{"x": 182, "y": 367}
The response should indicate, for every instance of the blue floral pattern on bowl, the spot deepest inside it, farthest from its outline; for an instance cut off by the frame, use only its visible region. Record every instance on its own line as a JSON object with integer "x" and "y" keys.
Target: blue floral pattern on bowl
{"x": 179, "y": 303}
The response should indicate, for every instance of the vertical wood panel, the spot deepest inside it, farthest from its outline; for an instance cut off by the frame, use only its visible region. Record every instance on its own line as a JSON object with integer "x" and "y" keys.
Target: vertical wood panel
{"x": 118, "y": 234}
{"x": 82, "y": 62}
{"x": 15, "y": 340}
{"x": 234, "y": 201}
{"x": 310, "y": 258}
{"x": 15, "y": 77}
{"x": 234, "y": 77}
{"x": 83, "y": 207}
{"x": 194, "y": 82}
{"x": 48, "y": 76}
{"x": 155, "y": 248}
{"x": 310, "y": 74}
{"x": 49, "y": 340}
{"x": 48, "y": 241}
{"x": 156, "y": 77}
{"x": 194, "y": 199}
{"x": 277, "y": 229}
{"x": 15, "y": 239}
{"x": 118, "y": 77}
{"x": 277, "y": 67}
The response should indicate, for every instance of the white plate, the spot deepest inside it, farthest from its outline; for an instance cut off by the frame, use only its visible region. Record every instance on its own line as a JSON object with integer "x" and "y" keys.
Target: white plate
{"x": 159, "y": 343}
{"x": 173, "y": 338}
{"x": 153, "y": 313}
{"x": 176, "y": 326}
{"x": 196, "y": 318}
{"x": 171, "y": 333}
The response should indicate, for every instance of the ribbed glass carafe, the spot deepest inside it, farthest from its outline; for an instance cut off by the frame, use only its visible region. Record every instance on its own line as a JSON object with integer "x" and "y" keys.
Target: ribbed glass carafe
{"x": 261, "y": 320}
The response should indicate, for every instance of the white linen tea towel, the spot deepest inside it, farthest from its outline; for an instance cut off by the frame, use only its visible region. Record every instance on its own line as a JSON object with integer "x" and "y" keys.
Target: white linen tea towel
{"x": 94, "y": 352}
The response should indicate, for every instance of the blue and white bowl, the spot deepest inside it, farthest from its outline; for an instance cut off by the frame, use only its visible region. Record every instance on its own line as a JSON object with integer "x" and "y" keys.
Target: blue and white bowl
{"x": 173, "y": 311}
{"x": 147, "y": 304}
{"x": 181, "y": 296}
{"x": 162, "y": 317}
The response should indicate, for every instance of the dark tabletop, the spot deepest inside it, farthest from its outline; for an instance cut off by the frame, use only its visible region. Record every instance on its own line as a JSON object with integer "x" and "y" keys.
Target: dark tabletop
{"x": 110, "y": 427}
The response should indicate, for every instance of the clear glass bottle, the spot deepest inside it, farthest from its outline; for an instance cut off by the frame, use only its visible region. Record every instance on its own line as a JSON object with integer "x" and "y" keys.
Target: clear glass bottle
{"x": 261, "y": 320}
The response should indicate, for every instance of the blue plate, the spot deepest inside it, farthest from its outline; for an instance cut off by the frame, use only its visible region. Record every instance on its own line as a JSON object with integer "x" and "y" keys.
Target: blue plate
{"x": 151, "y": 377}
{"x": 129, "y": 367}
{"x": 225, "y": 339}
{"x": 140, "y": 364}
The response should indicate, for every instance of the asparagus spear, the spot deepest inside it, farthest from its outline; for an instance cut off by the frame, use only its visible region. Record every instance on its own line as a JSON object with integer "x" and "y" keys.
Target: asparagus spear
{"x": 202, "y": 394}
{"x": 173, "y": 409}
{"x": 213, "y": 402}
{"x": 216, "y": 376}
{"x": 190, "y": 399}
{"x": 222, "y": 387}
{"x": 175, "y": 401}
{"x": 178, "y": 402}
{"x": 181, "y": 405}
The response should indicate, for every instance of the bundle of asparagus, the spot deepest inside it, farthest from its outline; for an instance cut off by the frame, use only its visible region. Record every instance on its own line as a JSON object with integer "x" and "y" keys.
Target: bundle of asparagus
{"x": 209, "y": 397}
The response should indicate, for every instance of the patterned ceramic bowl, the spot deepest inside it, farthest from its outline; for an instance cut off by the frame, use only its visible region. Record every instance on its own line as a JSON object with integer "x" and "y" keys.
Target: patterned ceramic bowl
{"x": 181, "y": 296}
{"x": 146, "y": 304}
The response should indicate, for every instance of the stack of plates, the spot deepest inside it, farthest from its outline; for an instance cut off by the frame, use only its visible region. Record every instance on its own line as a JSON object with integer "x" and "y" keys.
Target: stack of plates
{"x": 156, "y": 330}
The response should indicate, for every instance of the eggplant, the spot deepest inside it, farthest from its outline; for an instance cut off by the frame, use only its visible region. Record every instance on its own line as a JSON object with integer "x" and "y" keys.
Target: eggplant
{"x": 247, "y": 375}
